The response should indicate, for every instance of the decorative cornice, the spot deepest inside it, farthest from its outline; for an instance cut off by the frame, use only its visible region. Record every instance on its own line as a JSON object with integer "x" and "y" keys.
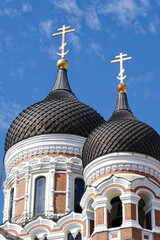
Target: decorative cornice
{"x": 43, "y": 144}
{"x": 45, "y": 163}
{"x": 118, "y": 183}
{"x": 65, "y": 223}
{"x": 122, "y": 161}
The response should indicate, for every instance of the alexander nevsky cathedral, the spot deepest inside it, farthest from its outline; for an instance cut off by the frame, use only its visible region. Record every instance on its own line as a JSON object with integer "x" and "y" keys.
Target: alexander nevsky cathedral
{"x": 71, "y": 175}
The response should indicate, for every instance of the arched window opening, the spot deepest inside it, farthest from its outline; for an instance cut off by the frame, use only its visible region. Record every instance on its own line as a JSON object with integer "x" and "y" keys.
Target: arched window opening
{"x": 144, "y": 218}
{"x": 11, "y": 203}
{"x": 78, "y": 237}
{"x": 36, "y": 238}
{"x": 70, "y": 237}
{"x": 39, "y": 199}
{"x": 45, "y": 237}
{"x": 141, "y": 213}
{"x": 116, "y": 212}
{"x": 90, "y": 208}
{"x": 79, "y": 190}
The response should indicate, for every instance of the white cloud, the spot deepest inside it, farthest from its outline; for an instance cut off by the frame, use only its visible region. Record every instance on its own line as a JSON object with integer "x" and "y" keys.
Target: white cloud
{"x": 46, "y": 27}
{"x": 126, "y": 10}
{"x": 50, "y": 51}
{"x": 97, "y": 49}
{"x": 26, "y": 7}
{"x": 149, "y": 77}
{"x": 154, "y": 24}
{"x": 74, "y": 39}
{"x": 92, "y": 19}
{"x": 9, "y": 12}
{"x": 69, "y": 6}
{"x": 138, "y": 28}
{"x": 13, "y": 12}
{"x": 8, "y": 111}
{"x": 22, "y": 67}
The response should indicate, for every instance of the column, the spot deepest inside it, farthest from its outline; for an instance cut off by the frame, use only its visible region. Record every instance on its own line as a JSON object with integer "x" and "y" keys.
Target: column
{"x": 154, "y": 207}
{"x": 5, "y": 205}
{"x": 52, "y": 186}
{"x": 15, "y": 198}
{"x": 101, "y": 205}
{"x": 26, "y": 210}
{"x": 130, "y": 209}
{"x": 68, "y": 191}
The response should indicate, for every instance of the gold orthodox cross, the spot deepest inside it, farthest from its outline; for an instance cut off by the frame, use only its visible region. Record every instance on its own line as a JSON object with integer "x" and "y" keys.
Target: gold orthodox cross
{"x": 121, "y": 59}
{"x": 63, "y": 32}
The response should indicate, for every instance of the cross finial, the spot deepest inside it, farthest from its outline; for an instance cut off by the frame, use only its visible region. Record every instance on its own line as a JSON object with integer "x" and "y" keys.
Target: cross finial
{"x": 121, "y": 59}
{"x": 63, "y": 32}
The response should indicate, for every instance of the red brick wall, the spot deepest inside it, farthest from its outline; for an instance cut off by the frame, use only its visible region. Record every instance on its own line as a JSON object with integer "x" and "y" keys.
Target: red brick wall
{"x": 131, "y": 233}
{"x": 84, "y": 228}
{"x": 59, "y": 203}
{"x": 99, "y": 216}
{"x": 19, "y": 208}
{"x": 130, "y": 211}
{"x": 156, "y": 236}
{"x": 60, "y": 182}
{"x": 21, "y": 188}
{"x": 157, "y": 217}
{"x": 100, "y": 236}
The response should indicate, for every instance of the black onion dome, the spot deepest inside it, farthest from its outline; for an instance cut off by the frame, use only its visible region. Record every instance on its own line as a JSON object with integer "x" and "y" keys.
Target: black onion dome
{"x": 59, "y": 112}
{"x": 121, "y": 133}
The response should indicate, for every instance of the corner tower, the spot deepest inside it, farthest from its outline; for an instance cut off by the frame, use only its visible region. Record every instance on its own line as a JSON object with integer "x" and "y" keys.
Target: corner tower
{"x": 43, "y": 148}
{"x": 122, "y": 172}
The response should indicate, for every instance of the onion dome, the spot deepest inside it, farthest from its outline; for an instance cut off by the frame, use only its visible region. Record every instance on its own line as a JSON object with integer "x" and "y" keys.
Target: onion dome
{"x": 59, "y": 112}
{"x": 121, "y": 133}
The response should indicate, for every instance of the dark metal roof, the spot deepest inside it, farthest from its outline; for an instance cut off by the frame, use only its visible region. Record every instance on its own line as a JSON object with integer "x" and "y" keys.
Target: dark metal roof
{"x": 121, "y": 133}
{"x": 59, "y": 112}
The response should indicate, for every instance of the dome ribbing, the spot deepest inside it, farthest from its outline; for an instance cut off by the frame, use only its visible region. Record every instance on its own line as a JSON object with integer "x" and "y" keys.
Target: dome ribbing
{"x": 121, "y": 133}
{"x": 59, "y": 112}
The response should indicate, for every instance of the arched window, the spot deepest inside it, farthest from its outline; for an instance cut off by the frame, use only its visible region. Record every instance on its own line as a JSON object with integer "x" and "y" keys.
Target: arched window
{"x": 116, "y": 212}
{"x": 36, "y": 238}
{"x": 141, "y": 213}
{"x": 70, "y": 237}
{"x": 11, "y": 203}
{"x": 78, "y": 237}
{"x": 79, "y": 190}
{"x": 144, "y": 216}
{"x": 39, "y": 199}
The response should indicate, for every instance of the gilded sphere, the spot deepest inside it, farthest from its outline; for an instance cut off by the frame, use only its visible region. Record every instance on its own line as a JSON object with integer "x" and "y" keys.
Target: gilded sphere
{"x": 62, "y": 63}
{"x": 121, "y": 87}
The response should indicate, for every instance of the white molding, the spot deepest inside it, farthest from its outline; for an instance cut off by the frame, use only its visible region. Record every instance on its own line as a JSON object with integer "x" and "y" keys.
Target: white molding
{"x": 73, "y": 226}
{"x": 43, "y": 163}
{"x": 121, "y": 161}
{"x": 130, "y": 197}
{"x": 47, "y": 143}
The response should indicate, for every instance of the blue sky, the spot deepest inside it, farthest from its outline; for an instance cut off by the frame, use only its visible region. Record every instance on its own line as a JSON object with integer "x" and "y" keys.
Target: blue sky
{"x": 104, "y": 28}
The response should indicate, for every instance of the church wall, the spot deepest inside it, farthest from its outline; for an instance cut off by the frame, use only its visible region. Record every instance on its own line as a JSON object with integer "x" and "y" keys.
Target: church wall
{"x": 59, "y": 203}
{"x": 131, "y": 233}
{"x": 60, "y": 181}
{"x": 130, "y": 211}
{"x": 99, "y": 216}
{"x": 19, "y": 209}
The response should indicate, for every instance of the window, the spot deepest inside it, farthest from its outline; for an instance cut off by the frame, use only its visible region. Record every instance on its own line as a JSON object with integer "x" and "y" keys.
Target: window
{"x": 79, "y": 190}
{"x": 78, "y": 237}
{"x": 70, "y": 237}
{"x": 11, "y": 203}
{"x": 116, "y": 212}
{"x": 39, "y": 199}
